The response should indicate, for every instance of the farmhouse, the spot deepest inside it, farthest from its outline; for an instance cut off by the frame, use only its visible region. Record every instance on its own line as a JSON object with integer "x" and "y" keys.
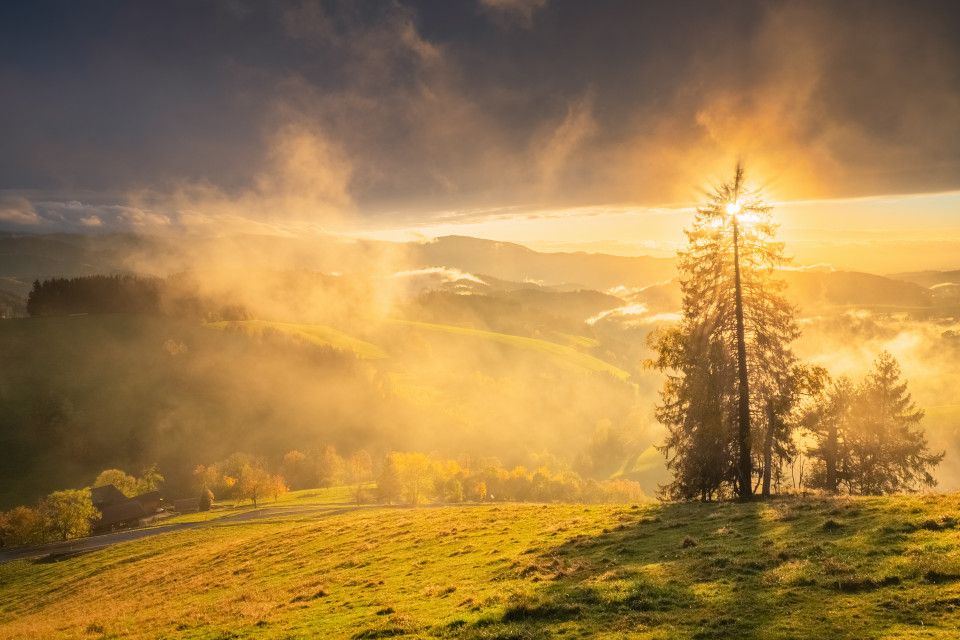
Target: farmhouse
{"x": 118, "y": 511}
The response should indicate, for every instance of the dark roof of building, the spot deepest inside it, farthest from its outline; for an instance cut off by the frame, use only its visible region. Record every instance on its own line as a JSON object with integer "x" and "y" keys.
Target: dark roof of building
{"x": 185, "y": 504}
{"x": 107, "y": 494}
{"x": 149, "y": 497}
{"x": 120, "y": 513}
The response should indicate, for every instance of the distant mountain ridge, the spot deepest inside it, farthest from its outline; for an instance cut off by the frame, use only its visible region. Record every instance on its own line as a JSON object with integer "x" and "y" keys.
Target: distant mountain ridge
{"x": 501, "y": 266}
{"x": 509, "y": 261}
{"x": 929, "y": 278}
{"x": 24, "y": 258}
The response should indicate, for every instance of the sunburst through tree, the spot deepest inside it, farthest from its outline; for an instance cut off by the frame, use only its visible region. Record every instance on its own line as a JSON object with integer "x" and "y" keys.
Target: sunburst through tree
{"x": 729, "y": 360}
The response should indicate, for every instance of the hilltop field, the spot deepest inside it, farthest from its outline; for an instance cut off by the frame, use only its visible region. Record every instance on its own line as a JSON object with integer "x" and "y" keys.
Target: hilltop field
{"x": 795, "y": 567}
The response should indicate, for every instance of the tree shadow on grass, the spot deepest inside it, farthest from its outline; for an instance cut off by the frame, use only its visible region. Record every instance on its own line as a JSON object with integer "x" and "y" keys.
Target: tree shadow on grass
{"x": 785, "y": 568}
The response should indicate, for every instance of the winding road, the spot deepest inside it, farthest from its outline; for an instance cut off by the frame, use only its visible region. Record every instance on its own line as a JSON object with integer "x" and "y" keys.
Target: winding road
{"x": 54, "y": 551}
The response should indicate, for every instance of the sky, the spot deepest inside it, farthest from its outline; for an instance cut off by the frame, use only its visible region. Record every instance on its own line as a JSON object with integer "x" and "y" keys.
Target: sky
{"x": 560, "y": 124}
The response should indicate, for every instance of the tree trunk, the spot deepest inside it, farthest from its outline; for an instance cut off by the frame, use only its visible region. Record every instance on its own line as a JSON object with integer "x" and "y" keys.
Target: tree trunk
{"x": 745, "y": 464}
{"x": 831, "y": 458}
{"x": 768, "y": 450}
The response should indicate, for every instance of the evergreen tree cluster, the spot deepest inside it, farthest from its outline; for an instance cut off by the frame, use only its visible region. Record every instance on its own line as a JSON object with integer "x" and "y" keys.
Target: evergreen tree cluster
{"x": 864, "y": 436}
{"x": 95, "y": 295}
{"x": 737, "y": 398}
{"x": 99, "y": 294}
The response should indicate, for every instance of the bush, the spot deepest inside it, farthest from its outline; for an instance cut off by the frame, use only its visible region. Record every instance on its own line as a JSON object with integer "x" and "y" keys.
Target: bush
{"x": 206, "y": 499}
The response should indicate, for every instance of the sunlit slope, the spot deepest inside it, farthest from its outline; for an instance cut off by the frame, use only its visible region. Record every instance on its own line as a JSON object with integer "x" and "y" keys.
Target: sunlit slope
{"x": 561, "y": 352}
{"x": 83, "y": 394}
{"x": 787, "y": 569}
{"x": 327, "y": 336}
{"x": 313, "y": 333}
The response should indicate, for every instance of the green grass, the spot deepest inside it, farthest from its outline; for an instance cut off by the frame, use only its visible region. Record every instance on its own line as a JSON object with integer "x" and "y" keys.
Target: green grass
{"x": 313, "y": 333}
{"x": 560, "y": 352}
{"x": 289, "y": 501}
{"x": 789, "y": 568}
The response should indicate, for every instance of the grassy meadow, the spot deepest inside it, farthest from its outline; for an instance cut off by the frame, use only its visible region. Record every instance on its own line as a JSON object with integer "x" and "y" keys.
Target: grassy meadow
{"x": 789, "y": 568}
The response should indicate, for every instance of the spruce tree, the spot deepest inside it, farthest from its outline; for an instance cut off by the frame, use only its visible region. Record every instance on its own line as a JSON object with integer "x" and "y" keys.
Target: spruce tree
{"x": 885, "y": 452}
{"x": 731, "y": 353}
{"x": 866, "y": 437}
{"x": 828, "y": 422}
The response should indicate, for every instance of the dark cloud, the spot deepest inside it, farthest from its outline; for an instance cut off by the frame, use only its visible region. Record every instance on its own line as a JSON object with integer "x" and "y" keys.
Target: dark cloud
{"x": 300, "y": 111}
{"x": 513, "y": 12}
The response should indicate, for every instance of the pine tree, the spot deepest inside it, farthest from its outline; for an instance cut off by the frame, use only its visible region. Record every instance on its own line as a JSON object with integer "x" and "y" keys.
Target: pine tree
{"x": 885, "y": 453}
{"x": 730, "y": 356}
{"x": 786, "y": 410}
{"x": 865, "y": 439}
{"x": 828, "y": 421}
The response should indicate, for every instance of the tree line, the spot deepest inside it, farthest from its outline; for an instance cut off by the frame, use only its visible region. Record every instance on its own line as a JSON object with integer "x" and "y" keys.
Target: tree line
{"x": 414, "y": 478}
{"x": 405, "y": 478}
{"x": 401, "y": 478}
{"x": 107, "y": 294}
{"x": 70, "y": 513}
{"x": 95, "y": 295}
{"x": 740, "y": 407}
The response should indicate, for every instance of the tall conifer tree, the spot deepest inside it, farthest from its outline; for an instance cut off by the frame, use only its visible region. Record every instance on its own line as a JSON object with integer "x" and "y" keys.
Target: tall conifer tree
{"x": 731, "y": 353}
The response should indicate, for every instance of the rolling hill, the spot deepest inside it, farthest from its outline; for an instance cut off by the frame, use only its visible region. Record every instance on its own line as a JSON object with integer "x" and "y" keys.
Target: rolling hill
{"x": 793, "y": 568}
{"x": 97, "y": 392}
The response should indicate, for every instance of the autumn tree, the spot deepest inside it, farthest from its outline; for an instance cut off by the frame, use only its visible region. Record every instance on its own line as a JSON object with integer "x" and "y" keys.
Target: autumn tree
{"x": 299, "y": 471}
{"x": 149, "y": 480}
{"x": 388, "y": 482}
{"x": 448, "y": 480}
{"x": 21, "y": 525}
{"x": 360, "y": 467}
{"x": 204, "y": 480}
{"x": 278, "y": 487}
{"x": 127, "y": 484}
{"x": 329, "y": 467}
{"x": 730, "y": 355}
{"x": 69, "y": 513}
{"x": 416, "y": 477}
{"x": 359, "y": 472}
{"x": 254, "y": 483}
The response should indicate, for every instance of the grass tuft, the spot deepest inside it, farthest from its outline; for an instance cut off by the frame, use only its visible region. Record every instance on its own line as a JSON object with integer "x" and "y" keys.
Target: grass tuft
{"x": 832, "y": 525}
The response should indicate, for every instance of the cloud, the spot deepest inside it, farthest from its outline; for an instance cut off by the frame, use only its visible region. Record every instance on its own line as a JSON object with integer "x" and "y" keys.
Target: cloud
{"x": 555, "y": 151}
{"x": 76, "y": 216}
{"x": 304, "y": 181}
{"x": 513, "y": 12}
{"x": 380, "y": 111}
{"x": 17, "y": 211}
{"x": 444, "y": 274}
{"x": 816, "y": 100}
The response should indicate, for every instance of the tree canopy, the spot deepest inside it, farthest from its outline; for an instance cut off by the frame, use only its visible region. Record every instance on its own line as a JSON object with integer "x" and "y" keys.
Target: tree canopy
{"x": 729, "y": 361}
{"x": 866, "y": 438}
